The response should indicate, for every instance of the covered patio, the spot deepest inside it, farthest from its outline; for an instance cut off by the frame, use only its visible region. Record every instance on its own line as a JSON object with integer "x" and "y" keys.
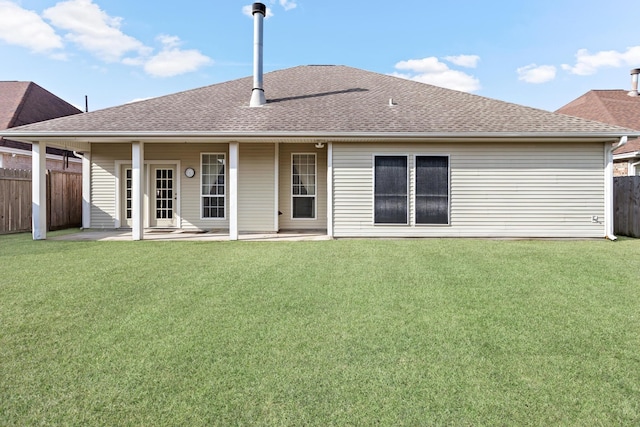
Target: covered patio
{"x": 183, "y": 235}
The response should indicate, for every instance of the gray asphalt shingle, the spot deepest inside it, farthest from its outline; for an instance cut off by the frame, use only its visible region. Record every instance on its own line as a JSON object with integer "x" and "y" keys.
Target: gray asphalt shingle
{"x": 332, "y": 99}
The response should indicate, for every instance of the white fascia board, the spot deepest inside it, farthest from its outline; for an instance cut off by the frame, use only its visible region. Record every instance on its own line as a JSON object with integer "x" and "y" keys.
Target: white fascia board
{"x": 626, "y": 156}
{"x": 19, "y": 152}
{"x": 80, "y": 140}
{"x": 70, "y": 144}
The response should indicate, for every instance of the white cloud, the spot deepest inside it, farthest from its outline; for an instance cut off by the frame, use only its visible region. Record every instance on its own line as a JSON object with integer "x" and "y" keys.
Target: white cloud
{"x": 430, "y": 70}
{"x": 469, "y": 61}
{"x": 26, "y": 28}
{"x": 169, "y": 41}
{"x": 248, "y": 10}
{"x": 588, "y": 63}
{"x": 93, "y": 30}
{"x": 172, "y": 61}
{"x": 430, "y": 65}
{"x": 533, "y": 73}
{"x": 287, "y": 4}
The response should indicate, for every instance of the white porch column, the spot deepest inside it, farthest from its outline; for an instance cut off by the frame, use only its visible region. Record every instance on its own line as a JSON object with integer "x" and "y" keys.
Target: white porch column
{"x": 276, "y": 189}
{"x": 233, "y": 190}
{"x": 86, "y": 190}
{"x": 39, "y": 190}
{"x": 330, "y": 189}
{"x": 137, "y": 189}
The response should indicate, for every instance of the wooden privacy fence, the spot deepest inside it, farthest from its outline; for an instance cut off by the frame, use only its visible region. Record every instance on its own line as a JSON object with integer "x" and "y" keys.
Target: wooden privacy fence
{"x": 15, "y": 201}
{"x": 626, "y": 202}
{"x": 64, "y": 200}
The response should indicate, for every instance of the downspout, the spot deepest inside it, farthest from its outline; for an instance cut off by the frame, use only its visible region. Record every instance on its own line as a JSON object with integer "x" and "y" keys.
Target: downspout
{"x": 608, "y": 188}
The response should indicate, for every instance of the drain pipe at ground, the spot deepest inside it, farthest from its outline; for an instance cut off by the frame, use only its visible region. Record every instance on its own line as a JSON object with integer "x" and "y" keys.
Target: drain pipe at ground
{"x": 608, "y": 188}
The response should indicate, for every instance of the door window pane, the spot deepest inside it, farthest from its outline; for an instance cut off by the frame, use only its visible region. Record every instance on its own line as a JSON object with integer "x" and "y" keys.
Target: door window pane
{"x": 164, "y": 197}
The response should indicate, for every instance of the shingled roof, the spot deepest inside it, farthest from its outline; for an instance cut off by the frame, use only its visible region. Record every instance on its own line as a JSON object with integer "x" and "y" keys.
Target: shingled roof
{"x": 23, "y": 103}
{"x": 333, "y": 100}
{"x": 608, "y": 106}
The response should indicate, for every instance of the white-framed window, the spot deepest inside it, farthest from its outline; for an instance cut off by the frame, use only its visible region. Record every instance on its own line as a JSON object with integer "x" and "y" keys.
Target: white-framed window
{"x": 430, "y": 191}
{"x": 213, "y": 169}
{"x": 391, "y": 189}
{"x": 303, "y": 185}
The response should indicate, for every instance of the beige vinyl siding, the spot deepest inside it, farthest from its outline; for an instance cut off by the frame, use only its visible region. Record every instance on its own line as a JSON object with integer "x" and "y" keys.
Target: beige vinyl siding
{"x": 256, "y": 188}
{"x": 103, "y": 182}
{"x": 496, "y": 190}
{"x": 189, "y": 155}
{"x": 286, "y": 221}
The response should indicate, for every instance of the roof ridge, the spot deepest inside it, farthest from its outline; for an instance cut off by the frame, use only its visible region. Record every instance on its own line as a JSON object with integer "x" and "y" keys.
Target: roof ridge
{"x": 610, "y": 118}
{"x": 21, "y": 104}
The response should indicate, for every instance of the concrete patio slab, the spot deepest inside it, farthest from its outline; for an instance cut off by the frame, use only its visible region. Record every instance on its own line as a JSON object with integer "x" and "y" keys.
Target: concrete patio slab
{"x": 182, "y": 235}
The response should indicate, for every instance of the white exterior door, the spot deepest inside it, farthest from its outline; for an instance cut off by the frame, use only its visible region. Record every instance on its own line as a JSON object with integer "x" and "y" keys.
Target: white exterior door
{"x": 163, "y": 196}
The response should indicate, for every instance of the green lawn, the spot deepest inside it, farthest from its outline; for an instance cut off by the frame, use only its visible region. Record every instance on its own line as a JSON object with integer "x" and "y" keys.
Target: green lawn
{"x": 347, "y": 332}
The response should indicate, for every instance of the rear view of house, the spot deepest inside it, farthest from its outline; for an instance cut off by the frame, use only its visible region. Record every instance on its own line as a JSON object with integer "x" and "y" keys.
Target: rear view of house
{"x": 335, "y": 148}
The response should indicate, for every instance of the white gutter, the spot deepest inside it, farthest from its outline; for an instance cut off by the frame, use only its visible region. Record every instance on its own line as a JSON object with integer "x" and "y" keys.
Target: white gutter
{"x": 608, "y": 188}
{"x": 283, "y": 135}
{"x": 19, "y": 152}
{"x": 629, "y": 155}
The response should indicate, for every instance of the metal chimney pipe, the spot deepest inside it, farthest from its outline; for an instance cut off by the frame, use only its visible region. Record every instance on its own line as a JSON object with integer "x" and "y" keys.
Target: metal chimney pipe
{"x": 634, "y": 82}
{"x": 259, "y": 11}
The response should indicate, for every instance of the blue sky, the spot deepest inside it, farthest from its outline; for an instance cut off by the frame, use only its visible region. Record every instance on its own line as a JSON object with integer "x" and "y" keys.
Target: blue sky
{"x": 541, "y": 53}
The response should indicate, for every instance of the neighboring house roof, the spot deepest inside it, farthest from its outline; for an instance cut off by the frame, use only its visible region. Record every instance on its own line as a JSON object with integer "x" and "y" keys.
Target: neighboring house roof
{"x": 329, "y": 101}
{"x": 608, "y": 106}
{"x": 24, "y": 103}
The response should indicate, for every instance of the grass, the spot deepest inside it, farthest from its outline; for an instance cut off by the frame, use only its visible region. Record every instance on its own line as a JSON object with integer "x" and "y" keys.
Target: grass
{"x": 346, "y": 332}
